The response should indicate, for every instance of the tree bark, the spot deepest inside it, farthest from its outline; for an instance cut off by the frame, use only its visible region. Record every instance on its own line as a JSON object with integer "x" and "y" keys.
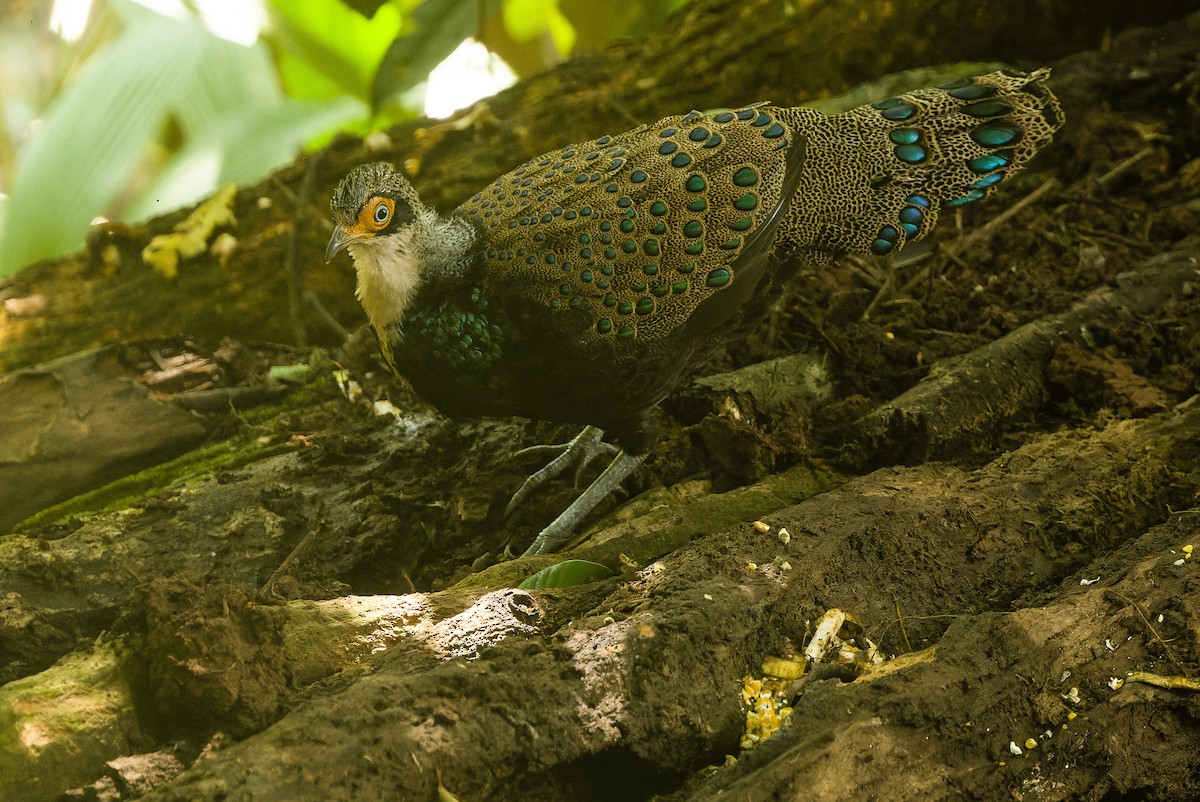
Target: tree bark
{"x": 989, "y": 459}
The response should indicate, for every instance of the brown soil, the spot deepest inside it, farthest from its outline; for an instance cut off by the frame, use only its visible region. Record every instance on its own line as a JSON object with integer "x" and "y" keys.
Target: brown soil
{"x": 997, "y": 483}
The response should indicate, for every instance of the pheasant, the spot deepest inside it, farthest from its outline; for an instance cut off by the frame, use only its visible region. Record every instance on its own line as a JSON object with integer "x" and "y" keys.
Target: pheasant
{"x": 584, "y": 285}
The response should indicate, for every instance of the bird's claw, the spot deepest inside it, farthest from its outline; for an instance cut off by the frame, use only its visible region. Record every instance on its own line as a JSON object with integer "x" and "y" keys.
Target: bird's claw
{"x": 562, "y": 529}
{"x": 580, "y": 451}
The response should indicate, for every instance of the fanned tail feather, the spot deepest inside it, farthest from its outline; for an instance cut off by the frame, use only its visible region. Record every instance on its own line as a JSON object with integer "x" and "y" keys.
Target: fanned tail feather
{"x": 888, "y": 167}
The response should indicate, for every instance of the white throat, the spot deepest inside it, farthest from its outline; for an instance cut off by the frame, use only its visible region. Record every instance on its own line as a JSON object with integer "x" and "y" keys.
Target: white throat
{"x": 388, "y": 276}
{"x": 391, "y": 268}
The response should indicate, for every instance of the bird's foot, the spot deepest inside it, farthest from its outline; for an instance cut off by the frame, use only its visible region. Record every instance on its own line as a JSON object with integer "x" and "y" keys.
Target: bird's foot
{"x": 579, "y": 451}
{"x": 560, "y": 530}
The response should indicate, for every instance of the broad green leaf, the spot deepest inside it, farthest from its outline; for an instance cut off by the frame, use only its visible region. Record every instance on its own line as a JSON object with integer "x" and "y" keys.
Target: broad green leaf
{"x": 245, "y": 148}
{"x": 236, "y": 125}
{"x": 562, "y": 32}
{"x": 258, "y": 144}
{"x": 599, "y": 23}
{"x": 565, "y": 574}
{"x": 365, "y": 7}
{"x": 231, "y": 79}
{"x": 440, "y": 27}
{"x": 93, "y": 134}
{"x": 526, "y": 19}
{"x": 325, "y": 49}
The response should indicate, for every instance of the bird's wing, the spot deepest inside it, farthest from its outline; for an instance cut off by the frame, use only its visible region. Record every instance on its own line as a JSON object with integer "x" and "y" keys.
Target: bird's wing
{"x": 630, "y": 235}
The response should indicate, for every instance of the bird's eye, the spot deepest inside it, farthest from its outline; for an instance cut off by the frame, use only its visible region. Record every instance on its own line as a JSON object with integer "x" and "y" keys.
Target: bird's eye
{"x": 377, "y": 213}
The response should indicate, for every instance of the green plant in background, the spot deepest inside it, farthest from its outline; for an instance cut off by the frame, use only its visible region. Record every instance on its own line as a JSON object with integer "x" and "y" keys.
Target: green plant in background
{"x": 151, "y": 111}
{"x": 156, "y": 117}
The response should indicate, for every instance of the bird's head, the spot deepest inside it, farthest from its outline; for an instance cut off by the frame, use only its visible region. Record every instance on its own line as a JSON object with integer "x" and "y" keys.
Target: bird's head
{"x": 378, "y": 217}
{"x": 374, "y": 202}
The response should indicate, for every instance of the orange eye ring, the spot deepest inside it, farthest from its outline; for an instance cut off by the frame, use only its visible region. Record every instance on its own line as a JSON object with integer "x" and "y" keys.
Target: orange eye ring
{"x": 377, "y": 213}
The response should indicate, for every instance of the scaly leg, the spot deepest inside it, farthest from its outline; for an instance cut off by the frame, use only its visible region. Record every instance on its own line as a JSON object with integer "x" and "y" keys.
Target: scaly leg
{"x": 559, "y": 532}
{"x": 580, "y": 451}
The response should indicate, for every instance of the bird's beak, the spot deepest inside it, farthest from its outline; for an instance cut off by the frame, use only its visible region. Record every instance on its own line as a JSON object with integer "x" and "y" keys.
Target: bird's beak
{"x": 340, "y": 239}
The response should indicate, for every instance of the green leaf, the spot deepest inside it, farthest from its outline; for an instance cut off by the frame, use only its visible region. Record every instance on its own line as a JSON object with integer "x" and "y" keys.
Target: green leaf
{"x": 599, "y": 23}
{"x": 243, "y": 148}
{"x": 526, "y": 19}
{"x": 230, "y": 78}
{"x": 325, "y": 49}
{"x": 365, "y": 7}
{"x": 235, "y": 122}
{"x": 441, "y": 26}
{"x": 288, "y": 374}
{"x": 94, "y": 134}
{"x": 566, "y": 574}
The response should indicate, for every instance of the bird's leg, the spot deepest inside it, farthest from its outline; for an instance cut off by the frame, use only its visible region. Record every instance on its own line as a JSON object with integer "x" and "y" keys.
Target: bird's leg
{"x": 580, "y": 451}
{"x": 559, "y": 532}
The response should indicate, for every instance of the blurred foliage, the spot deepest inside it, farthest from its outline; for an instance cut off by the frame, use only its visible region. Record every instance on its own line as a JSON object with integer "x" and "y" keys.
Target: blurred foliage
{"x": 147, "y": 112}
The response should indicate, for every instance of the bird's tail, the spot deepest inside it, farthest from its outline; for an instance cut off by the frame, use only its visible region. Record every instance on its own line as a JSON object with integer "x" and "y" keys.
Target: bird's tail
{"x": 881, "y": 172}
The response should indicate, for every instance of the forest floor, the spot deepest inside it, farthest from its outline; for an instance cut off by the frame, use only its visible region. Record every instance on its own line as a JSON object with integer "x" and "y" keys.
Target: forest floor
{"x": 988, "y": 457}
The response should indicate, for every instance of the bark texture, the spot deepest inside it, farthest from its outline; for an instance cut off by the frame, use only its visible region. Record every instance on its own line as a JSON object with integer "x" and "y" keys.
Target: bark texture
{"x": 230, "y": 578}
